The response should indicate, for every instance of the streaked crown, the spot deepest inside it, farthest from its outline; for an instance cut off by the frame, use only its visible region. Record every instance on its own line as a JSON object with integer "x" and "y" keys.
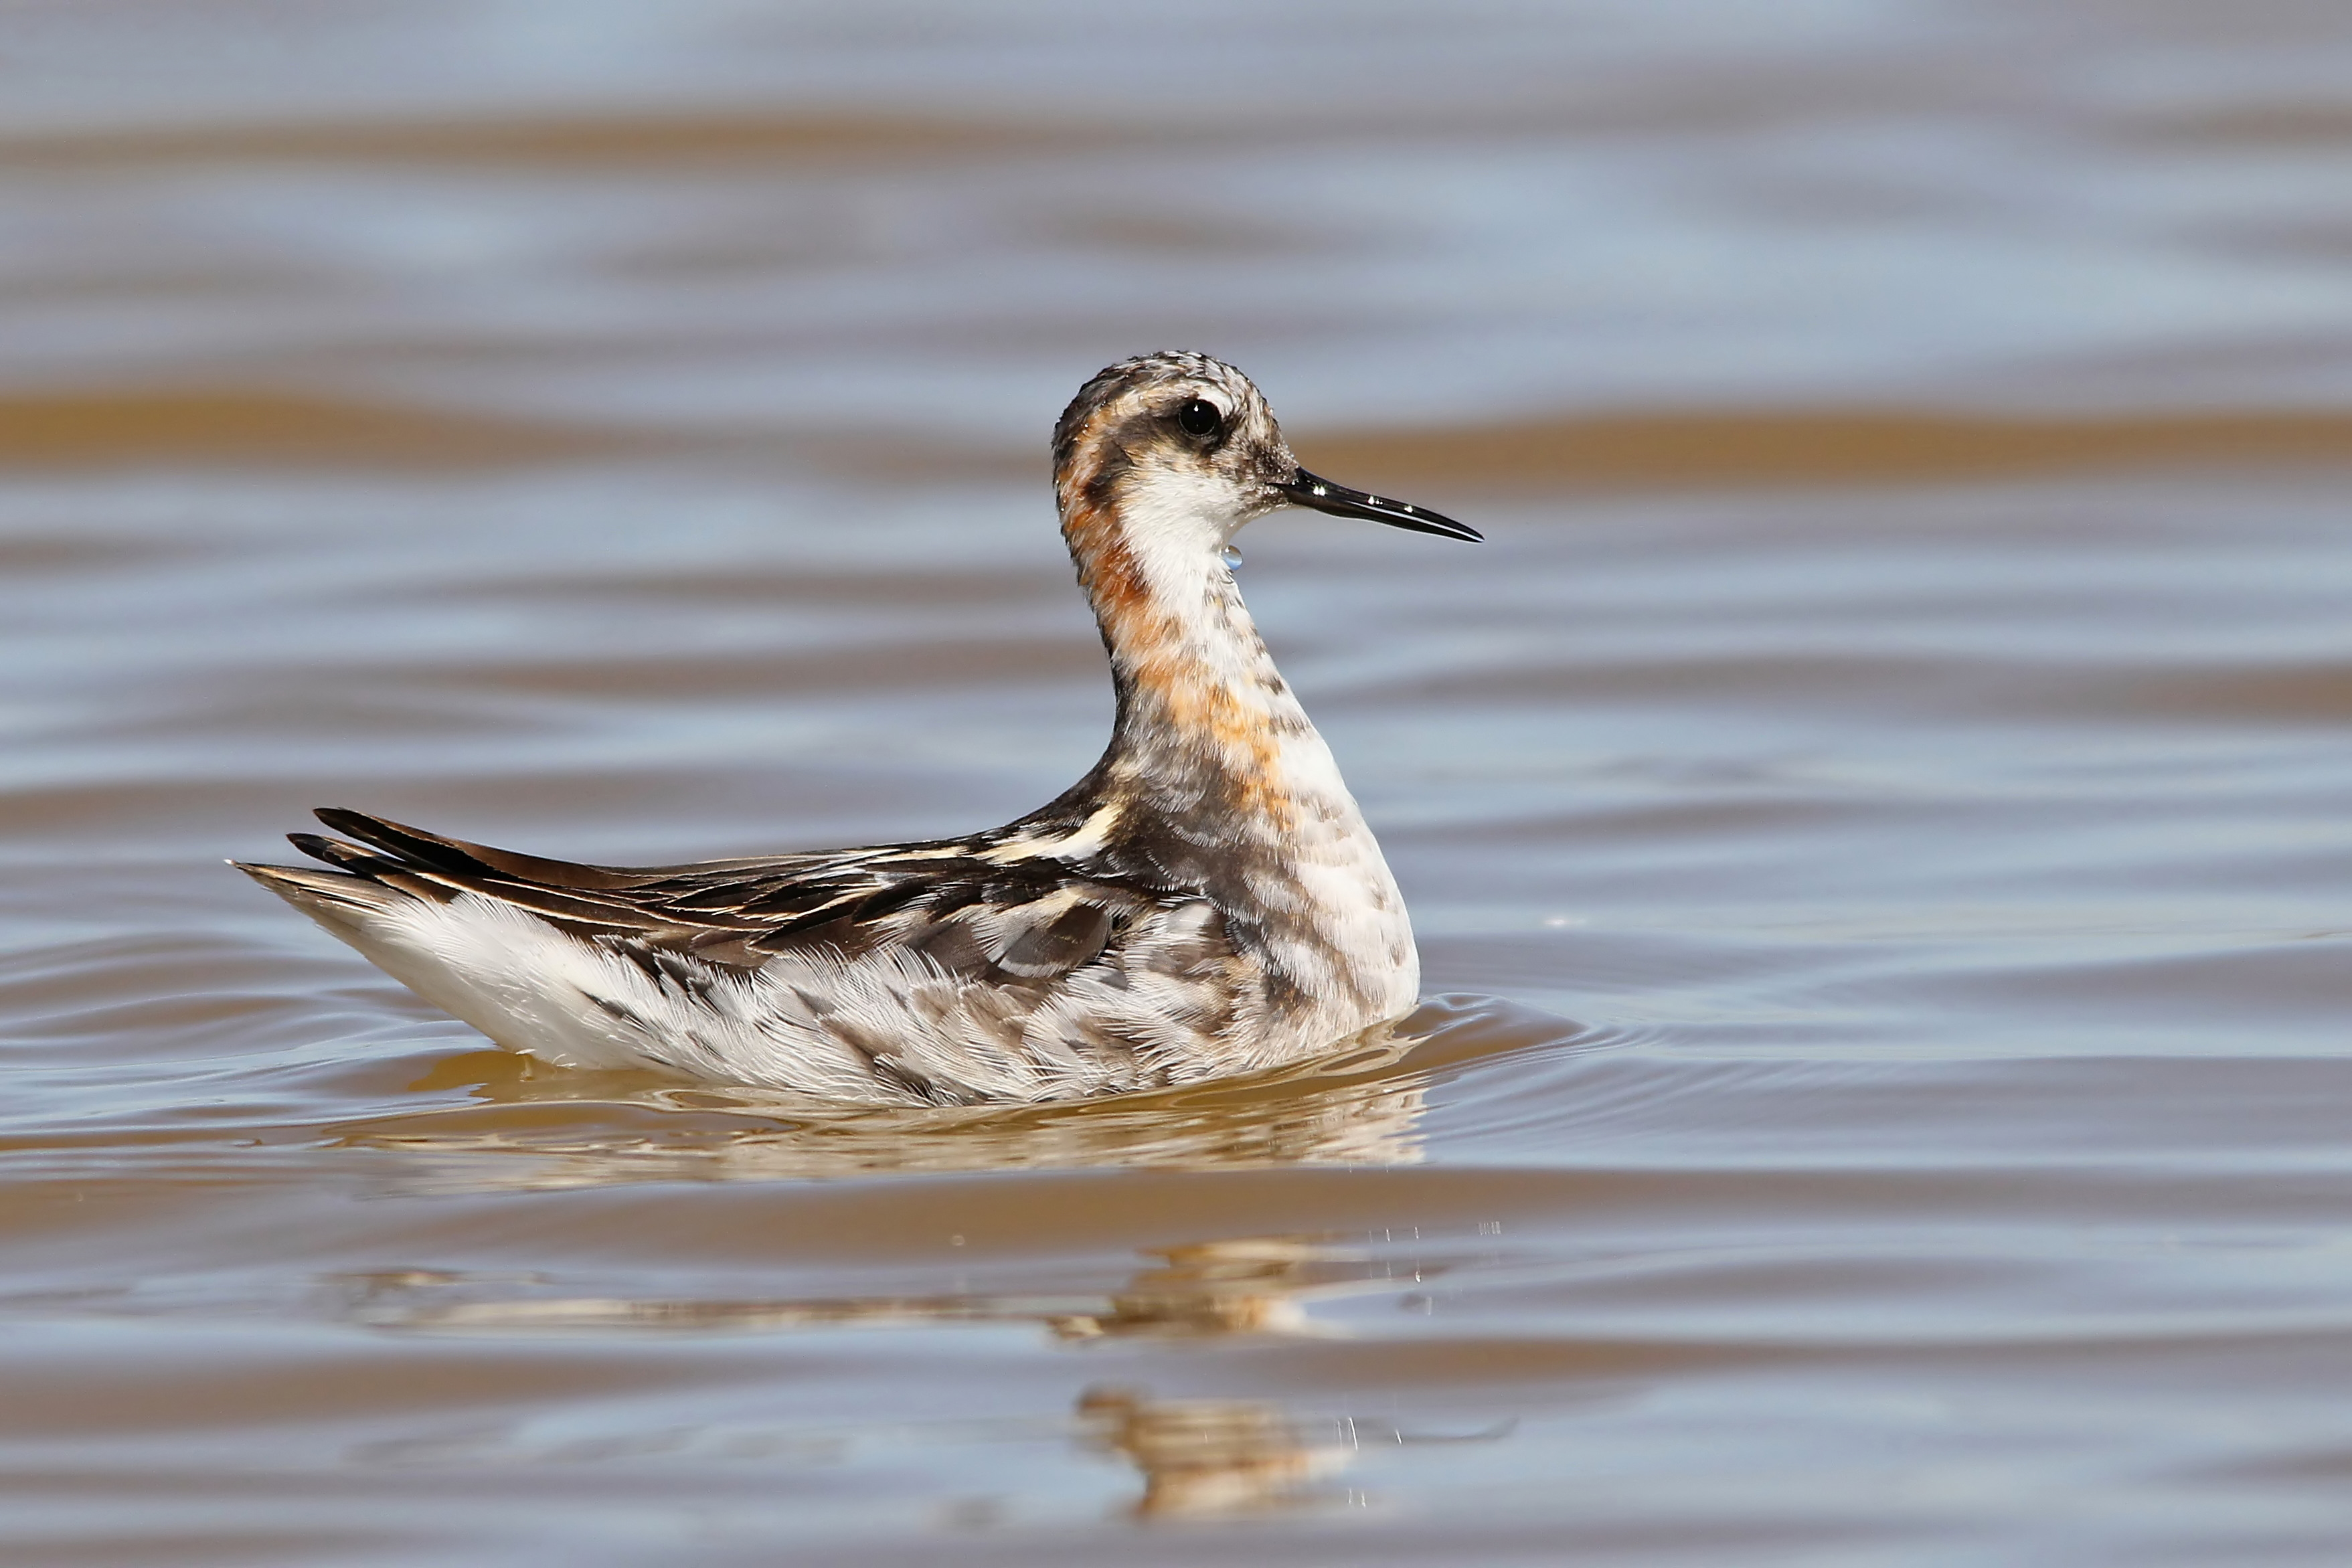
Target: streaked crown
{"x": 1170, "y": 416}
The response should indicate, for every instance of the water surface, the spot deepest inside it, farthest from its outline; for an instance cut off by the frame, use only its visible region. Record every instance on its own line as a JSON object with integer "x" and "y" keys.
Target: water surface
{"x": 1875, "y": 812}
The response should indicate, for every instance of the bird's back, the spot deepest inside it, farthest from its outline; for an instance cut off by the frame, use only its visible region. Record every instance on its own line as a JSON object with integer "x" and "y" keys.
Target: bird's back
{"x": 946, "y": 972}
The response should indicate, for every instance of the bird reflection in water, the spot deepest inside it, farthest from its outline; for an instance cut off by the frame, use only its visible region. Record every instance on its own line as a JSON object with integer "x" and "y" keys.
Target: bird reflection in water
{"x": 526, "y": 1126}
{"x": 1257, "y": 1284}
{"x": 1198, "y": 1458}
{"x": 1244, "y": 1285}
{"x": 1211, "y": 1458}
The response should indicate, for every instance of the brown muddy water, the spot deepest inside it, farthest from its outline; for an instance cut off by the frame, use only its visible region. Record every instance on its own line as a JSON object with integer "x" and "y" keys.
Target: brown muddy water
{"x": 1878, "y": 812}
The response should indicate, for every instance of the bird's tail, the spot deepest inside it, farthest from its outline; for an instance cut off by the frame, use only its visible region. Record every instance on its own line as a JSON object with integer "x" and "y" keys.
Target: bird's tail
{"x": 336, "y": 900}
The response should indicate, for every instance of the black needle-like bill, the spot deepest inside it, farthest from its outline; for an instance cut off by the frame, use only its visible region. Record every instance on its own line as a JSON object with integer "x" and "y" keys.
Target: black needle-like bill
{"x": 1307, "y": 490}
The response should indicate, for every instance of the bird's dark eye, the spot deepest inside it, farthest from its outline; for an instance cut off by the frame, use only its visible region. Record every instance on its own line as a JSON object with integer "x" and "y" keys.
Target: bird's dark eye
{"x": 1200, "y": 417}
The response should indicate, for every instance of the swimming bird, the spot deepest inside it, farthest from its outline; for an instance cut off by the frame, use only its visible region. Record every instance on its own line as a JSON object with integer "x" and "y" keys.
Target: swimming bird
{"x": 1207, "y": 900}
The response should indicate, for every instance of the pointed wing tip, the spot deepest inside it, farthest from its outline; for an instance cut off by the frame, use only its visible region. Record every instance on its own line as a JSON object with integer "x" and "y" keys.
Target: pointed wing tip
{"x": 332, "y": 896}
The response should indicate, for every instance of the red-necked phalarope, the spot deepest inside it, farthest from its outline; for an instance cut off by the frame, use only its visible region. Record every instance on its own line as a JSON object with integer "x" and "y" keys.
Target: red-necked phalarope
{"x": 1207, "y": 900}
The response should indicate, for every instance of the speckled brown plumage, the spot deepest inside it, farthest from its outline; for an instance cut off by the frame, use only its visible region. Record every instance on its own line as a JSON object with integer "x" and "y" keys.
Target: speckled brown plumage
{"x": 1206, "y": 900}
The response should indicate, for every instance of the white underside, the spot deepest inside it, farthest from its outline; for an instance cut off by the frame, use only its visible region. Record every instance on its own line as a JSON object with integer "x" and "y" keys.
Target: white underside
{"x": 797, "y": 1023}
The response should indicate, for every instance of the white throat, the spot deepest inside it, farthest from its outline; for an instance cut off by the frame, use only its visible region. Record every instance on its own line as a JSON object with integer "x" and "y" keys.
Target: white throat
{"x": 1176, "y": 526}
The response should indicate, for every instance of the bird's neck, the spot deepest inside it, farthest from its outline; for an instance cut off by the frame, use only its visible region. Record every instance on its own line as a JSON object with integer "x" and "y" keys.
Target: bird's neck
{"x": 1216, "y": 781}
{"x": 1205, "y": 721}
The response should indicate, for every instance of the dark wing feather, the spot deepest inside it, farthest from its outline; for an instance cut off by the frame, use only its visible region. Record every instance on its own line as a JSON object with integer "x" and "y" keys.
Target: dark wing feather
{"x": 1059, "y": 943}
{"x": 1028, "y": 920}
{"x": 456, "y": 856}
